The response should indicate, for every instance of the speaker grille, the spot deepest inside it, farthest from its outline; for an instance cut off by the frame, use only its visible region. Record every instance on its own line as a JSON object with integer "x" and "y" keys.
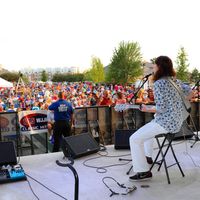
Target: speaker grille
{"x": 81, "y": 145}
{"x": 122, "y": 138}
{"x": 7, "y": 153}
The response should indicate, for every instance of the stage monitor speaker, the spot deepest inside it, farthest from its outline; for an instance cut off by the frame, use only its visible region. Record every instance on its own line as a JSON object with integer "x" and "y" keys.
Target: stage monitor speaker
{"x": 7, "y": 153}
{"x": 79, "y": 145}
{"x": 122, "y": 138}
{"x": 186, "y": 132}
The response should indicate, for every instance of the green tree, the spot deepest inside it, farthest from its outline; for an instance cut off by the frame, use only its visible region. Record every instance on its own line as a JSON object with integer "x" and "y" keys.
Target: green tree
{"x": 153, "y": 60}
{"x": 96, "y": 73}
{"x": 195, "y": 75}
{"x": 44, "y": 76}
{"x": 182, "y": 65}
{"x": 126, "y": 63}
{"x": 58, "y": 77}
{"x": 87, "y": 75}
{"x": 68, "y": 77}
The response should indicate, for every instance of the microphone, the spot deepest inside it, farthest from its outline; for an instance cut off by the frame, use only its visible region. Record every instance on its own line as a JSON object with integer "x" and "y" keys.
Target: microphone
{"x": 147, "y": 76}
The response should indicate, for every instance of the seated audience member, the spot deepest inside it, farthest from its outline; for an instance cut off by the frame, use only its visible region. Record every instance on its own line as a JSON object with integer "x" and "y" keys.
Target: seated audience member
{"x": 106, "y": 99}
{"x": 120, "y": 99}
{"x": 94, "y": 99}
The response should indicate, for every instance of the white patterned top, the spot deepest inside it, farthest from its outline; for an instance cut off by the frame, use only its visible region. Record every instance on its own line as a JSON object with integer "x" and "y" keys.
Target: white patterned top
{"x": 169, "y": 105}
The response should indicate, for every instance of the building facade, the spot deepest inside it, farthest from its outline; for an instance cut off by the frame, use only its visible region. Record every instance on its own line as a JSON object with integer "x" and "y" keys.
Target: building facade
{"x": 36, "y": 73}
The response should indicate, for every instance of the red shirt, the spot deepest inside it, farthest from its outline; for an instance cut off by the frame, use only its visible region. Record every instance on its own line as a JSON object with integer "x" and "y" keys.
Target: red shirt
{"x": 106, "y": 101}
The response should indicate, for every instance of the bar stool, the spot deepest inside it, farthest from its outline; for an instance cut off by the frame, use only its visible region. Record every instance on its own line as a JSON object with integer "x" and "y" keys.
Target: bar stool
{"x": 168, "y": 138}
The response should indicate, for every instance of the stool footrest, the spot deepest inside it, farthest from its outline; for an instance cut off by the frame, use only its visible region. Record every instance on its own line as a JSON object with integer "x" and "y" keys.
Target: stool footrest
{"x": 171, "y": 165}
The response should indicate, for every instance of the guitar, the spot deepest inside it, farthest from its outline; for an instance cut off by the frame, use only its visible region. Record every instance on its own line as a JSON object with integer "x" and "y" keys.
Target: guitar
{"x": 122, "y": 107}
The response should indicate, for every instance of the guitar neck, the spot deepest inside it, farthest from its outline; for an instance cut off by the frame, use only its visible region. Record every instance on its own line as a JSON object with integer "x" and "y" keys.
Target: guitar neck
{"x": 122, "y": 107}
{"x": 134, "y": 106}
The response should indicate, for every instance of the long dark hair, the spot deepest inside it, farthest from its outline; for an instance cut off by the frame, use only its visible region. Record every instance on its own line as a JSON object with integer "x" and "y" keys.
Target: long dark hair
{"x": 165, "y": 67}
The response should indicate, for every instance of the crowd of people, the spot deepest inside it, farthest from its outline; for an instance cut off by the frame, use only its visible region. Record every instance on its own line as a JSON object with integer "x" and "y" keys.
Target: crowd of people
{"x": 61, "y": 99}
{"x": 38, "y": 96}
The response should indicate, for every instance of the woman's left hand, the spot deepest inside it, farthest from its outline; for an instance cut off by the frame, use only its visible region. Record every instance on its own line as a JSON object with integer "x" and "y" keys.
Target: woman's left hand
{"x": 145, "y": 108}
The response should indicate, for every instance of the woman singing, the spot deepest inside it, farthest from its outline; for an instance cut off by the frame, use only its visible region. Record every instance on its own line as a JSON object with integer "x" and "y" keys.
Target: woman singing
{"x": 167, "y": 119}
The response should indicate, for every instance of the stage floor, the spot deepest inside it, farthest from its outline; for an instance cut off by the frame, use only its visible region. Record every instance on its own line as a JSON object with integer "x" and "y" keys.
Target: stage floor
{"x": 61, "y": 180}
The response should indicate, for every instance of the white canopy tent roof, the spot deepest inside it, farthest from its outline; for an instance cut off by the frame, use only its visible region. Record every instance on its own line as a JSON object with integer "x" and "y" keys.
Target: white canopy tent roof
{"x": 4, "y": 83}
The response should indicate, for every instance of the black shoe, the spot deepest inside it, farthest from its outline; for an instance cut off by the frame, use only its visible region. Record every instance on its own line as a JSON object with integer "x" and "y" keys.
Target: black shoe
{"x": 140, "y": 176}
{"x": 149, "y": 160}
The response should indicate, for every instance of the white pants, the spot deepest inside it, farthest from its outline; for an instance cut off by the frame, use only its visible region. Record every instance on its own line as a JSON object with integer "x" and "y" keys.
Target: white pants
{"x": 141, "y": 144}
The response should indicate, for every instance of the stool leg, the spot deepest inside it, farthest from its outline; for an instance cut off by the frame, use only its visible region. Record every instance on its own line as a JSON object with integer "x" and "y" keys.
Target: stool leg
{"x": 169, "y": 138}
{"x": 164, "y": 154}
{"x": 177, "y": 161}
{"x": 170, "y": 145}
{"x": 159, "y": 151}
{"x": 155, "y": 160}
{"x": 163, "y": 160}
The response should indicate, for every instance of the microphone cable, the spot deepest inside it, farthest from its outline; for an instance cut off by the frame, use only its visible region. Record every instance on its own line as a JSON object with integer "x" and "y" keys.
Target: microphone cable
{"x": 43, "y": 186}
{"x": 103, "y": 169}
{"x": 32, "y": 189}
{"x": 128, "y": 189}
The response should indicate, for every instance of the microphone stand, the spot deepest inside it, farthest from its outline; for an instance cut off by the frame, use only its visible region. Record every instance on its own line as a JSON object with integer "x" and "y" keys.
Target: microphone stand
{"x": 145, "y": 79}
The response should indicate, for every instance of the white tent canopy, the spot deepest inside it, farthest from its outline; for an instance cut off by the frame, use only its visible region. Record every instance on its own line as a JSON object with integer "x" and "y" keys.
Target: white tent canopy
{"x": 4, "y": 83}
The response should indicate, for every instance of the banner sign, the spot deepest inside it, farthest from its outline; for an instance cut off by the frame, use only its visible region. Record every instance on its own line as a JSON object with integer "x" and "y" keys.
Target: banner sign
{"x": 8, "y": 123}
{"x": 34, "y": 121}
